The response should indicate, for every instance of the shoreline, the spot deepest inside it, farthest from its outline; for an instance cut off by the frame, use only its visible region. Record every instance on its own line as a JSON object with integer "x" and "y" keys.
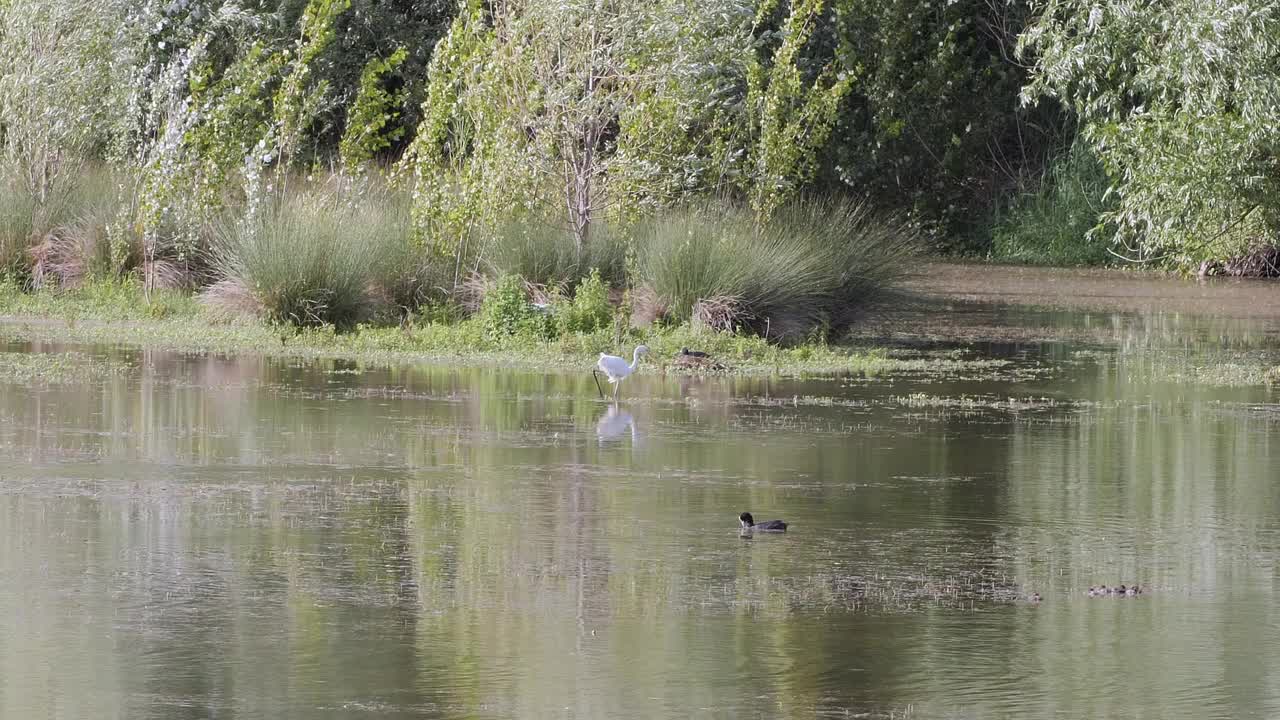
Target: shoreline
{"x": 437, "y": 345}
{"x": 954, "y": 311}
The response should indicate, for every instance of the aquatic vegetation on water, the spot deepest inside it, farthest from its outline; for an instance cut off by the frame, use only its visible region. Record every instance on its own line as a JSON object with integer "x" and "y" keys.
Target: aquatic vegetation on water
{"x": 1212, "y": 368}
{"x": 26, "y": 368}
{"x": 971, "y": 402}
{"x": 446, "y": 499}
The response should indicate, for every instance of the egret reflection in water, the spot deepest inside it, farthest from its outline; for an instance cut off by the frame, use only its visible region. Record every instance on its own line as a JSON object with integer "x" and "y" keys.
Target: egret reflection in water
{"x": 614, "y": 423}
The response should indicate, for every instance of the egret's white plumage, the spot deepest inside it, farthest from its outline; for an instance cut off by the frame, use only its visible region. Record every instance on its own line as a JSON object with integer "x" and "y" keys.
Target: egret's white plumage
{"x": 616, "y": 368}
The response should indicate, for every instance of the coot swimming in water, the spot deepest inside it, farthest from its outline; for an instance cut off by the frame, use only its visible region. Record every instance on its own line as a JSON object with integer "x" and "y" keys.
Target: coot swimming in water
{"x": 749, "y": 523}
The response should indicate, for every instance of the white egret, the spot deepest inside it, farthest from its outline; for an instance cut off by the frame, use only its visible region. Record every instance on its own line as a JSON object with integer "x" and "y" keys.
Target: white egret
{"x": 616, "y": 368}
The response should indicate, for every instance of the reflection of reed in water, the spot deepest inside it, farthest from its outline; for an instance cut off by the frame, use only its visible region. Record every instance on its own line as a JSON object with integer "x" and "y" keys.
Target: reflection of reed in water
{"x": 614, "y": 422}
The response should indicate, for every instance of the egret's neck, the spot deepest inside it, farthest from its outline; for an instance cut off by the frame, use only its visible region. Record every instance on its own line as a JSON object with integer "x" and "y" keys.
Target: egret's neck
{"x": 635, "y": 359}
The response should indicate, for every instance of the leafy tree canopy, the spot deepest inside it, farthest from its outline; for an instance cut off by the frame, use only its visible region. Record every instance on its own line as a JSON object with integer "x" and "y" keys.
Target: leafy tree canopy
{"x": 1181, "y": 101}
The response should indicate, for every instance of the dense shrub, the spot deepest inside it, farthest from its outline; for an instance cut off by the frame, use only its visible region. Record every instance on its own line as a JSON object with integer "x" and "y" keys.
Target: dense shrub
{"x": 1051, "y": 224}
{"x": 933, "y": 127}
{"x": 507, "y": 311}
{"x": 1178, "y": 100}
{"x": 589, "y": 310}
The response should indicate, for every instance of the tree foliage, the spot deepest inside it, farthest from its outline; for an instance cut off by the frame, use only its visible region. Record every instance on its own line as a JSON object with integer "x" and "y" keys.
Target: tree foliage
{"x": 1181, "y": 101}
{"x": 790, "y": 116}
{"x": 372, "y": 125}
{"x": 55, "y": 86}
{"x": 582, "y": 110}
{"x": 683, "y": 133}
{"x": 590, "y": 114}
{"x": 932, "y": 125}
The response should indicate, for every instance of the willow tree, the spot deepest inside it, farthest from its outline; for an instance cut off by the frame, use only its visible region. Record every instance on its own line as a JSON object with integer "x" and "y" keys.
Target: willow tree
{"x": 216, "y": 114}
{"x": 582, "y": 110}
{"x": 790, "y": 115}
{"x": 520, "y": 110}
{"x": 736, "y": 104}
{"x": 55, "y": 87}
{"x": 1181, "y": 101}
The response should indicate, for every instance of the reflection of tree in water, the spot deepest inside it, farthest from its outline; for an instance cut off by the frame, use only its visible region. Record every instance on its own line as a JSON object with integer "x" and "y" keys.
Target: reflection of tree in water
{"x": 214, "y": 602}
{"x": 513, "y": 562}
{"x": 428, "y": 545}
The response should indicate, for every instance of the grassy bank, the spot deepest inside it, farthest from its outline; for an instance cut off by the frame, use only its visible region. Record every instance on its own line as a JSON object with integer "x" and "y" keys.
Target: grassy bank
{"x": 1052, "y": 221}
{"x": 345, "y": 250}
{"x": 1142, "y": 346}
{"x": 118, "y": 313}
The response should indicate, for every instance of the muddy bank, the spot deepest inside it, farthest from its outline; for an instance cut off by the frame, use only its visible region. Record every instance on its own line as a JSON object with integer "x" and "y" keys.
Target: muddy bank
{"x": 1098, "y": 289}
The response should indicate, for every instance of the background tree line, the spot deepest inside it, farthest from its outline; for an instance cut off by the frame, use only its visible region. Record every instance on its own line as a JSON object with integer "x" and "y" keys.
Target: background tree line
{"x": 1040, "y": 130}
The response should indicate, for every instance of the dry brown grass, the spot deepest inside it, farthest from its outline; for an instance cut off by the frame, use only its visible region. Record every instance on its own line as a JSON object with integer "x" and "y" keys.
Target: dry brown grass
{"x": 165, "y": 274}
{"x": 229, "y": 298}
{"x": 723, "y": 312}
{"x": 1263, "y": 261}
{"x": 1259, "y": 262}
{"x": 53, "y": 260}
{"x": 472, "y": 290}
{"x": 646, "y": 307}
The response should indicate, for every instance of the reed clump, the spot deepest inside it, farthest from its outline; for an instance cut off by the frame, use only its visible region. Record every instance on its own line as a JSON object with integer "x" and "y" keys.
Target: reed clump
{"x": 810, "y": 270}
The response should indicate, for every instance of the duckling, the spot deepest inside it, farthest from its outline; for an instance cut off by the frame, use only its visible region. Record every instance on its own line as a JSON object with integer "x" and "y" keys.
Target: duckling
{"x": 686, "y": 352}
{"x": 749, "y": 523}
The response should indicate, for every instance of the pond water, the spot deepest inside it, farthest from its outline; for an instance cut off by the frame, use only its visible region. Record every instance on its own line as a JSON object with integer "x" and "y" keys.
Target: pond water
{"x": 191, "y": 537}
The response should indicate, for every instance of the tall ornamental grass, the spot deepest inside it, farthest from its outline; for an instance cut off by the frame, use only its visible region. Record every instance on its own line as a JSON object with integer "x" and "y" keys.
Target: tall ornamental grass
{"x": 60, "y": 240}
{"x": 318, "y": 257}
{"x": 18, "y": 211}
{"x": 809, "y": 271}
{"x": 544, "y": 253}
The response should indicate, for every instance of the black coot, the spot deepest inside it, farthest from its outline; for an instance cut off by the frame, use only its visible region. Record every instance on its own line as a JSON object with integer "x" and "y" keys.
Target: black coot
{"x": 749, "y": 523}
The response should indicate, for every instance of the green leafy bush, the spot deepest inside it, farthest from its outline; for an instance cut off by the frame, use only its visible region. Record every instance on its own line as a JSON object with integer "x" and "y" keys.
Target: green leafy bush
{"x": 589, "y": 310}
{"x": 1178, "y": 100}
{"x": 507, "y": 311}
{"x": 1052, "y": 225}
